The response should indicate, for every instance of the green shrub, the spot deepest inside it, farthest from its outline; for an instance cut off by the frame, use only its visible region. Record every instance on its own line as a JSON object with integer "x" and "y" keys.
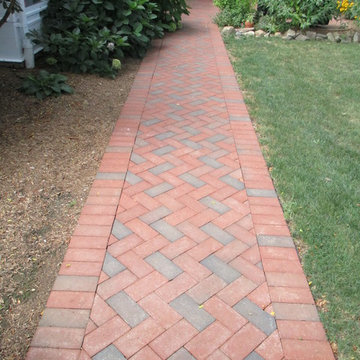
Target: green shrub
{"x": 46, "y": 84}
{"x": 298, "y": 13}
{"x": 170, "y": 12}
{"x": 230, "y": 17}
{"x": 268, "y": 24}
{"x": 86, "y": 35}
{"x": 223, "y": 4}
{"x": 235, "y": 14}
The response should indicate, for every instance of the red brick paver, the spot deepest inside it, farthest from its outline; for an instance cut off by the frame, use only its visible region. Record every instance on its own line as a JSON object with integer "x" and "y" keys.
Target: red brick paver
{"x": 182, "y": 250}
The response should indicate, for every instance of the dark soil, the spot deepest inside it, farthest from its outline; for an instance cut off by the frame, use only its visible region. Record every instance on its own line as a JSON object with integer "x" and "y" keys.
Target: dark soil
{"x": 49, "y": 154}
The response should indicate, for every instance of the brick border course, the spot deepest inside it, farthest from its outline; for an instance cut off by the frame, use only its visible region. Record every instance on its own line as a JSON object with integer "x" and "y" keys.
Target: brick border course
{"x": 273, "y": 234}
{"x": 74, "y": 289}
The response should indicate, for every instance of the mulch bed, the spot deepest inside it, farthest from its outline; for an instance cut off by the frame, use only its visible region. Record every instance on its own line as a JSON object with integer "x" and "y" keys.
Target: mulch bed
{"x": 49, "y": 154}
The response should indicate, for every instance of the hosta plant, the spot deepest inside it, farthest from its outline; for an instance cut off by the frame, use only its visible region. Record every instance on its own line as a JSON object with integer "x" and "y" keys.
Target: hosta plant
{"x": 45, "y": 84}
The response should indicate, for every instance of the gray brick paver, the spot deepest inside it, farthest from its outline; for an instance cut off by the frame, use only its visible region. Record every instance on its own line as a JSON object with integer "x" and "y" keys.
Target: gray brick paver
{"x": 191, "y": 130}
{"x": 155, "y": 215}
{"x": 163, "y": 150}
{"x": 109, "y": 353}
{"x": 163, "y": 265}
{"x": 167, "y": 230}
{"x": 132, "y": 178}
{"x": 214, "y": 204}
{"x": 216, "y": 138}
{"x": 258, "y": 317}
{"x": 220, "y": 268}
{"x": 75, "y": 283}
{"x": 181, "y": 354}
{"x": 217, "y": 233}
{"x": 279, "y": 241}
{"x": 119, "y": 230}
{"x": 235, "y": 183}
{"x": 110, "y": 176}
{"x": 261, "y": 193}
{"x": 159, "y": 169}
{"x": 159, "y": 189}
{"x": 165, "y": 135}
{"x": 71, "y": 318}
{"x": 191, "y": 144}
{"x": 127, "y": 308}
{"x": 254, "y": 356}
{"x": 211, "y": 162}
{"x": 150, "y": 122}
{"x": 191, "y": 311}
{"x": 192, "y": 180}
{"x": 137, "y": 159}
{"x": 240, "y": 118}
{"x": 112, "y": 266}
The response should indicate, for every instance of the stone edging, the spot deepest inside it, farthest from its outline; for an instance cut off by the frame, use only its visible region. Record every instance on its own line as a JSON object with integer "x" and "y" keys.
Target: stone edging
{"x": 347, "y": 37}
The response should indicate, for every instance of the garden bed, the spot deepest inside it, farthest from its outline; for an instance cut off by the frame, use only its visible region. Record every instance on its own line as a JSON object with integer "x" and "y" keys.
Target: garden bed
{"x": 49, "y": 154}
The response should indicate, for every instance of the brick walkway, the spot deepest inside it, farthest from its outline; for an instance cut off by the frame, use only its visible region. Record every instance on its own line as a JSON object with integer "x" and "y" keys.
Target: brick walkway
{"x": 182, "y": 250}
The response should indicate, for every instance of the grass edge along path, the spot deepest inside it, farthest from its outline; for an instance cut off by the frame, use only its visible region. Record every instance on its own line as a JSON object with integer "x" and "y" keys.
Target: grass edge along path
{"x": 304, "y": 99}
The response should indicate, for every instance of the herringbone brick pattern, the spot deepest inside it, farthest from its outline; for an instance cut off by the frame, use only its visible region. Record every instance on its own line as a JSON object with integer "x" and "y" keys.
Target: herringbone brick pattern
{"x": 182, "y": 250}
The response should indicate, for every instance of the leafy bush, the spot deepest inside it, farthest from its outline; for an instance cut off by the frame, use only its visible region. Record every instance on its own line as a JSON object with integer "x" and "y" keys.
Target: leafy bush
{"x": 223, "y": 4}
{"x": 46, "y": 84}
{"x": 298, "y": 13}
{"x": 170, "y": 12}
{"x": 268, "y": 24}
{"x": 86, "y": 35}
{"x": 230, "y": 17}
{"x": 234, "y": 12}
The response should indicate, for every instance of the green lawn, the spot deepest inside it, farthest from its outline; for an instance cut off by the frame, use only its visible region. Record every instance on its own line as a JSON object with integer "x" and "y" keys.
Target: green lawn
{"x": 304, "y": 98}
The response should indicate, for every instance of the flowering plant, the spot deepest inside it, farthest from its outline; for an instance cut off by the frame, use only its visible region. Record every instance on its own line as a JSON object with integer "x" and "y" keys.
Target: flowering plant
{"x": 351, "y": 9}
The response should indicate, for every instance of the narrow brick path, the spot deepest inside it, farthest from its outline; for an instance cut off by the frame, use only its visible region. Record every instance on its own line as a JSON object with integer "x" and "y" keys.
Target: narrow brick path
{"x": 182, "y": 250}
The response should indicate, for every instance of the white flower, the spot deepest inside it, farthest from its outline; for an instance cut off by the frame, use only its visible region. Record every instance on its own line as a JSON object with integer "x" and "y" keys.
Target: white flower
{"x": 111, "y": 46}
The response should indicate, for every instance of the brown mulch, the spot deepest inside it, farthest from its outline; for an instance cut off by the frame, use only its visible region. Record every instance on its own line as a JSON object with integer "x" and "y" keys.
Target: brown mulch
{"x": 49, "y": 154}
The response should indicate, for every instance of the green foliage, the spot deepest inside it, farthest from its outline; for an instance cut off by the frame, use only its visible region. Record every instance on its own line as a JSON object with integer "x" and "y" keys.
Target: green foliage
{"x": 223, "y": 4}
{"x": 170, "y": 12}
{"x": 230, "y": 17}
{"x": 46, "y": 84}
{"x": 86, "y": 35}
{"x": 355, "y": 11}
{"x": 268, "y": 24}
{"x": 235, "y": 12}
{"x": 298, "y": 13}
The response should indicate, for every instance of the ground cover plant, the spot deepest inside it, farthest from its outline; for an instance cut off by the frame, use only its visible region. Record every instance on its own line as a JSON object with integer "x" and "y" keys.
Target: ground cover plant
{"x": 306, "y": 111}
{"x": 45, "y": 84}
